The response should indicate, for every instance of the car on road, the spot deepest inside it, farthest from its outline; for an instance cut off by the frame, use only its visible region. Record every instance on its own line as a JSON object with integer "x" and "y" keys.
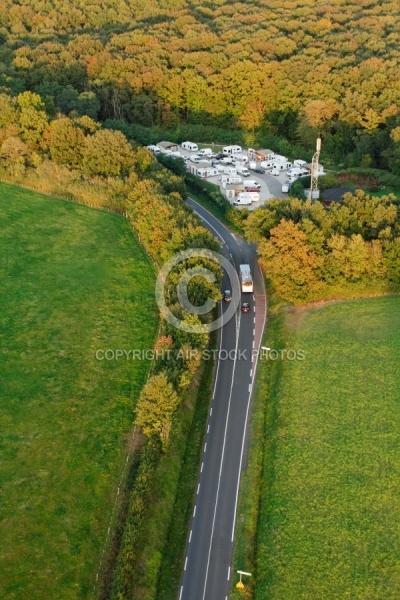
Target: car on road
{"x": 259, "y": 170}
{"x": 227, "y": 295}
{"x": 245, "y": 307}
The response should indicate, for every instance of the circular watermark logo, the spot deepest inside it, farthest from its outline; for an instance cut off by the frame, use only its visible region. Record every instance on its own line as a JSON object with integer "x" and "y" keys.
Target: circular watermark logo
{"x": 182, "y": 290}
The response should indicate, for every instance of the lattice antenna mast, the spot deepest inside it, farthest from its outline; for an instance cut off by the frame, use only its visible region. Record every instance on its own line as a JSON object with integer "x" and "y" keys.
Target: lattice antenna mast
{"x": 314, "y": 172}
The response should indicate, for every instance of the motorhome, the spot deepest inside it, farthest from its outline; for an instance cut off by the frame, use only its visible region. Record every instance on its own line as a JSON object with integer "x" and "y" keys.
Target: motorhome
{"x": 229, "y": 179}
{"x": 231, "y": 150}
{"x": 205, "y": 152}
{"x": 190, "y": 146}
{"x": 254, "y": 196}
{"x": 226, "y": 170}
{"x": 299, "y": 163}
{"x": 240, "y": 159}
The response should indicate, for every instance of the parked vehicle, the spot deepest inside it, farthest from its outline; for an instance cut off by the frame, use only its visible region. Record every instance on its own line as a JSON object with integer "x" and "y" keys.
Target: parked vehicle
{"x": 227, "y": 160}
{"x": 285, "y": 188}
{"x": 190, "y": 146}
{"x": 240, "y": 159}
{"x": 242, "y": 200}
{"x": 231, "y": 150}
{"x": 259, "y": 170}
{"x": 154, "y": 149}
{"x": 196, "y": 159}
{"x": 253, "y": 165}
{"x": 231, "y": 179}
{"x": 253, "y": 190}
{"x": 251, "y": 183}
{"x": 243, "y": 170}
{"x": 205, "y": 152}
{"x": 299, "y": 163}
{"x": 245, "y": 198}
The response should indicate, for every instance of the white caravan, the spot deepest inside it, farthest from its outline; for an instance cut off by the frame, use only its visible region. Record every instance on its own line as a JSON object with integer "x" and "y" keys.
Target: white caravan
{"x": 231, "y": 150}
{"x": 190, "y": 146}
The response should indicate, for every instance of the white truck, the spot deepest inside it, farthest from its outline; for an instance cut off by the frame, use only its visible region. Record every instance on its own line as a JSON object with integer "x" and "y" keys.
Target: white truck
{"x": 252, "y": 165}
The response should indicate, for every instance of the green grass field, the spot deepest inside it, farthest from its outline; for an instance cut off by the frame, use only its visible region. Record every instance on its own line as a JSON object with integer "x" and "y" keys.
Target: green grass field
{"x": 329, "y": 526}
{"x": 73, "y": 280}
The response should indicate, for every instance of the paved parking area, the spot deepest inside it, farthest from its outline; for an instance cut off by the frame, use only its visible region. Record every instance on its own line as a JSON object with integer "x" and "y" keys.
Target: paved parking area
{"x": 271, "y": 185}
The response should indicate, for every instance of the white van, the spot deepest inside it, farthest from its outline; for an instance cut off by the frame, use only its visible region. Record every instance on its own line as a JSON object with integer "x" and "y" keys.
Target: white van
{"x": 243, "y": 199}
{"x": 230, "y": 150}
{"x": 189, "y": 146}
{"x": 243, "y": 170}
{"x": 251, "y": 183}
{"x": 299, "y": 163}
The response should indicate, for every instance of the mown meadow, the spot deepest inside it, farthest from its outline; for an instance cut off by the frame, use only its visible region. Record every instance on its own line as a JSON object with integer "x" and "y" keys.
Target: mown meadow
{"x": 73, "y": 280}
{"x": 329, "y": 472}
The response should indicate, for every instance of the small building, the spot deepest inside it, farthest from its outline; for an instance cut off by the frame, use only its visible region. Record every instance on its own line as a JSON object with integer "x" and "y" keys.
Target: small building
{"x": 335, "y": 195}
{"x": 231, "y": 190}
{"x": 265, "y": 154}
{"x": 202, "y": 169}
{"x": 168, "y": 146}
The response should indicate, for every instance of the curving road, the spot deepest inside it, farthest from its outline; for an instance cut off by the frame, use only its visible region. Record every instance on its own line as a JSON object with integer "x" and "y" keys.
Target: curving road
{"x": 207, "y": 568}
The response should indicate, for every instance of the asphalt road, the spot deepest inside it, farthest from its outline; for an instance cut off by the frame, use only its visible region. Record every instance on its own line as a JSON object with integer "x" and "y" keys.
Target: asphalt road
{"x": 207, "y": 568}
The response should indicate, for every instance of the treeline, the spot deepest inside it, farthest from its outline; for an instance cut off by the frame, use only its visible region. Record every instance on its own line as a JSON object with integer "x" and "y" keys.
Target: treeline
{"x": 310, "y": 252}
{"x": 263, "y": 72}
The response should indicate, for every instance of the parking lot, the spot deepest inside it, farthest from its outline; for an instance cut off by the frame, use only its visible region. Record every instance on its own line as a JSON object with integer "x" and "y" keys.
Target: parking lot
{"x": 271, "y": 185}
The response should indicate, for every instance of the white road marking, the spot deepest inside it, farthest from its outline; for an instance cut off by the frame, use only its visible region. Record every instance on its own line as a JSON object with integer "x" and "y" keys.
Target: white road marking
{"x": 208, "y": 427}
{"x": 211, "y": 412}
{"x": 250, "y": 388}
{"x": 180, "y": 595}
{"x": 202, "y": 465}
{"x": 251, "y": 372}
{"x": 198, "y": 487}
{"x": 222, "y": 460}
{"x": 194, "y": 512}
{"x": 185, "y": 564}
{"x": 229, "y": 573}
{"x": 209, "y": 224}
{"x": 205, "y": 446}
{"x": 190, "y": 536}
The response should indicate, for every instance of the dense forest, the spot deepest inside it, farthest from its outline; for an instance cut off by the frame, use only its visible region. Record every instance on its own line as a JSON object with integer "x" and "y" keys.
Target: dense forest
{"x": 260, "y": 72}
{"x": 309, "y": 252}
